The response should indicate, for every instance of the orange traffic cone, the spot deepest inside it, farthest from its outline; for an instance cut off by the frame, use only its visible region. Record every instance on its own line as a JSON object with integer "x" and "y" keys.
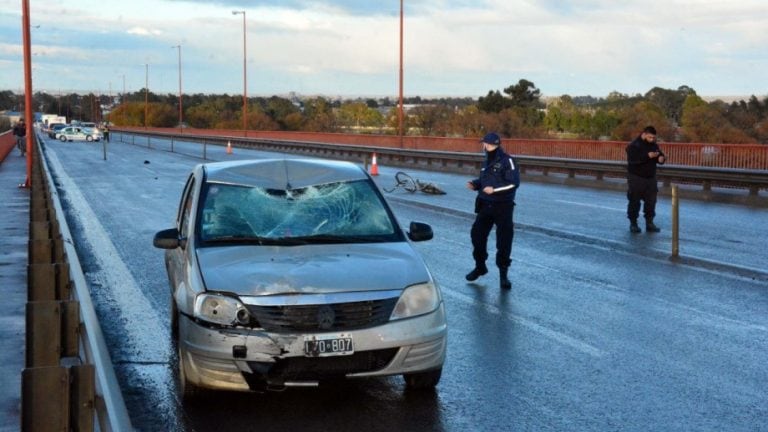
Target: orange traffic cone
{"x": 374, "y": 166}
{"x": 229, "y": 147}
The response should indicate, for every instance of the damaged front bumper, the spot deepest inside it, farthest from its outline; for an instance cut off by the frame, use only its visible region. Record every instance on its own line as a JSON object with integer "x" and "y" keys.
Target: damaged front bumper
{"x": 257, "y": 360}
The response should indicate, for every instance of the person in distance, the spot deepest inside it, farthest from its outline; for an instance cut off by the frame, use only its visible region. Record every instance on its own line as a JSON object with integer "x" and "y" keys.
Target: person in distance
{"x": 643, "y": 154}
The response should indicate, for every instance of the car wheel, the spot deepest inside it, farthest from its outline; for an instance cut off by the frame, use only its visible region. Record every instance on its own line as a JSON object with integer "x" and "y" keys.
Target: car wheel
{"x": 89, "y": 138}
{"x": 63, "y": 138}
{"x": 422, "y": 380}
{"x": 174, "y": 321}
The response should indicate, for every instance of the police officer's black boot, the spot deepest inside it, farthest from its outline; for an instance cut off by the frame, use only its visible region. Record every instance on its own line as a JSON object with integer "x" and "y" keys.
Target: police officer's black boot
{"x": 634, "y": 227}
{"x": 650, "y": 226}
{"x": 504, "y": 282}
{"x": 479, "y": 270}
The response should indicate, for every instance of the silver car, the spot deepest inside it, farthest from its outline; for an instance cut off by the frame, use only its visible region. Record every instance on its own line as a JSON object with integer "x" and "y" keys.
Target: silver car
{"x": 78, "y": 133}
{"x": 291, "y": 272}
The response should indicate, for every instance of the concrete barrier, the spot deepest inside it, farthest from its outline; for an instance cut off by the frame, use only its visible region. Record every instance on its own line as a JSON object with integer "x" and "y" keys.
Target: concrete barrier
{"x": 68, "y": 382}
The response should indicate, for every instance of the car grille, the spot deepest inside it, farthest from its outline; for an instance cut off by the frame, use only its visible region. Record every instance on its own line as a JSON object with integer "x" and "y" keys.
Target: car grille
{"x": 318, "y": 368}
{"x": 321, "y": 318}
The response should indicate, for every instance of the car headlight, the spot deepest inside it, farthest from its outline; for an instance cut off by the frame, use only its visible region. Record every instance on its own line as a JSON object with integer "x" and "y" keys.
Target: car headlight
{"x": 416, "y": 300}
{"x": 219, "y": 309}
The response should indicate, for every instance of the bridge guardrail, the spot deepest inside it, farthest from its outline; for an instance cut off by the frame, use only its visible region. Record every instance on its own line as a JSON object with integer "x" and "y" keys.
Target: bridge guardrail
{"x": 68, "y": 382}
{"x": 751, "y": 180}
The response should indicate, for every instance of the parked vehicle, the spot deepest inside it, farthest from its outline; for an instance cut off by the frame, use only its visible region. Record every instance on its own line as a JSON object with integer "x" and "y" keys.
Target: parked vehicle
{"x": 287, "y": 272}
{"x": 77, "y": 133}
{"x": 54, "y": 128}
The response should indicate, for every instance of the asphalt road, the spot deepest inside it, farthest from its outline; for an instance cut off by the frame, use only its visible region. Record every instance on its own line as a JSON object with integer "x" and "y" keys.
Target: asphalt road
{"x": 601, "y": 331}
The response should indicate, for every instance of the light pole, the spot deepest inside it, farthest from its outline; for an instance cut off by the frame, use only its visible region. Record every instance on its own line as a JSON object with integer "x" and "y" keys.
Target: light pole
{"x": 146, "y": 94}
{"x": 400, "y": 104}
{"x": 122, "y": 102}
{"x": 181, "y": 129}
{"x": 245, "y": 82}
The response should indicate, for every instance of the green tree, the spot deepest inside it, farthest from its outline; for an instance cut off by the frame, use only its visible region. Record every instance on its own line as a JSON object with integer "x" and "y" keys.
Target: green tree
{"x": 319, "y": 116}
{"x": 279, "y": 108}
{"x": 670, "y": 101}
{"x": 432, "y": 119}
{"x": 358, "y": 114}
{"x": 640, "y": 115}
{"x": 493, "y": 102}
{"x": 704, "y": 123}
{"x": 524, "y": 94}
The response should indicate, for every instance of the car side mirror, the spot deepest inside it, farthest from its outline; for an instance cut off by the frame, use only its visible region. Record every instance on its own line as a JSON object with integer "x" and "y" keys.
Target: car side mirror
{"x": 420, "y": 232}
{"x": 167, "y": 239}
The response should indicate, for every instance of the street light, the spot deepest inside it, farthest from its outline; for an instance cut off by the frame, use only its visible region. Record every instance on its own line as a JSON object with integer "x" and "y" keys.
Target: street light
{"x": 181, "y": 130}
{"x": 146, "y": 94}
{"x": 245, "y": 86}
{"x": 122, "y": 102}
{"x": 400, "y": 109}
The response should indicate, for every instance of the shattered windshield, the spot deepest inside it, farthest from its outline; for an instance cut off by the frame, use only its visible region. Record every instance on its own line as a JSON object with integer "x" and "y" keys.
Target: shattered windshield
{"x": 329, "y": 213}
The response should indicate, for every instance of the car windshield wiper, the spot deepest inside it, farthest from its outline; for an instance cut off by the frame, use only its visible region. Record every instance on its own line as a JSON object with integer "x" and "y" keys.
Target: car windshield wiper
{"x": 331, "y": 239}
{"x": 236, "y": 239}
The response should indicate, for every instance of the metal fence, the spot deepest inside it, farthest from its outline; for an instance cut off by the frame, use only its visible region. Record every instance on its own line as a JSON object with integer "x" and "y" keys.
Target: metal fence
{"x": 738, "y": 156}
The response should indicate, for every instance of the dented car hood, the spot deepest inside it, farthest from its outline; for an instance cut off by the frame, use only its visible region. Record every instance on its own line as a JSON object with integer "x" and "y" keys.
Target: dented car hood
{"x": 268, "y": 270}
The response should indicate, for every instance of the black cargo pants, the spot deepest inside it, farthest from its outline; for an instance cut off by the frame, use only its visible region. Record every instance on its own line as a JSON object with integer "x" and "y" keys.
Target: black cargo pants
{"x": 489, "y": 214}
{"x": 641, "y": 189}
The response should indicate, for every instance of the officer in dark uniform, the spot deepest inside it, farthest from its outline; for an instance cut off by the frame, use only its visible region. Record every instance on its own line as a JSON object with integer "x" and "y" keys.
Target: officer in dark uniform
{"x": 643, "y": 154}
{"x": 494, "y": 205}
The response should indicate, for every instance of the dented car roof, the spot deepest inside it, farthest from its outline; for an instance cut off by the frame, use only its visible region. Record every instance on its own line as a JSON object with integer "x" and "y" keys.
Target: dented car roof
{"x": 282, "y": 174}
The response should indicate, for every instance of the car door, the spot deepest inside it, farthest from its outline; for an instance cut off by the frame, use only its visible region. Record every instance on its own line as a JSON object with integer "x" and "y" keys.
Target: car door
{"x": 176, "y": 259}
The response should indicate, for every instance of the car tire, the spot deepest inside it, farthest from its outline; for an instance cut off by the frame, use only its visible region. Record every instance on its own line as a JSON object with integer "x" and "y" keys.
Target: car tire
{"x": 63, "y": 138}
{"x": 422, "y": 380}
{"x": 89, "y": 138}
{"x": 174, "y": 321}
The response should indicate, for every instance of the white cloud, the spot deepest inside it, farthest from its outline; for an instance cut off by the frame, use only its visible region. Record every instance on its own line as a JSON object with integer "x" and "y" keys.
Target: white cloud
{"x": 451, "y": 46}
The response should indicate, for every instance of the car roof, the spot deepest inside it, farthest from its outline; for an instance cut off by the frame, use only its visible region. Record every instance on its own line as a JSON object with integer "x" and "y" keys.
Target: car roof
{"x": 282, "y": 174}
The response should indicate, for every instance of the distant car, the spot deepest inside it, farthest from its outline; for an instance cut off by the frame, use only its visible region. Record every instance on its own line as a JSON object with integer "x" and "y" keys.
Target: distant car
{"x": 77, "y": 133}
{"x": 290, "y": 272}
{"x": 53, "y": 128}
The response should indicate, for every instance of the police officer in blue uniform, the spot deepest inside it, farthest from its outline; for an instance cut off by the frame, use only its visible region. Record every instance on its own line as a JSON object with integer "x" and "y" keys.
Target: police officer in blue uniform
{"x": 494, "y": 205}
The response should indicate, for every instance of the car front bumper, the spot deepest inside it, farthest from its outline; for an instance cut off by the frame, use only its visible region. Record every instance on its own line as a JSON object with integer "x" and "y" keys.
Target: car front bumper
{"x": 244, "y": 360}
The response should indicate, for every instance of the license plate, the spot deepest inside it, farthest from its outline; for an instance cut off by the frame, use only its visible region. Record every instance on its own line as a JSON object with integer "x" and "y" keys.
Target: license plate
{"x": 323, "y": 346}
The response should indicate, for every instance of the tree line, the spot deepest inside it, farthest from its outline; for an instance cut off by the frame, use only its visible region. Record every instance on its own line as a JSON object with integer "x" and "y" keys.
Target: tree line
{"x": 517, "y": 111}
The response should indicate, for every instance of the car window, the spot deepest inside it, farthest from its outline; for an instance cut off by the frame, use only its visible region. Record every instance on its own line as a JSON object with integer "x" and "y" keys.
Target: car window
{"x": 337, "y": 211}
{"x": 185, "y": 209}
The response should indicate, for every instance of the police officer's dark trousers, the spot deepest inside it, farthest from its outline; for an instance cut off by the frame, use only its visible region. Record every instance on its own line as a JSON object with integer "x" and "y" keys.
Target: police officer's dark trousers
{"x": 645, "y": 189}
{"x": 488, "y": 215}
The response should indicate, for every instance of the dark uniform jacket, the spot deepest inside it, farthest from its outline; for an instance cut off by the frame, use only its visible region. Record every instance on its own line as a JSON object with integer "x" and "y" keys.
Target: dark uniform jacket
{"x": 499, "y": 171}
{"x": 638, "y": 162}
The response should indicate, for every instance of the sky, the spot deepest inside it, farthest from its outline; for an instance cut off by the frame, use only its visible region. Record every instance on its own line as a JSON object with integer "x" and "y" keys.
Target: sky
{"x": 351, "y": 48}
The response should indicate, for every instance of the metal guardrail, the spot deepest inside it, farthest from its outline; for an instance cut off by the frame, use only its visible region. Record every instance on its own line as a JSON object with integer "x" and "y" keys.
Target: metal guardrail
{"x": 69, "y": 382}
{"x": 707, "y": 177}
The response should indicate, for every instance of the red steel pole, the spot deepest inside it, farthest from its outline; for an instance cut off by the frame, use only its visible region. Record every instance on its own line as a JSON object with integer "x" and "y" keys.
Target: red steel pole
{"x": 400, "y": 110}
{"x": 28, "y": 90}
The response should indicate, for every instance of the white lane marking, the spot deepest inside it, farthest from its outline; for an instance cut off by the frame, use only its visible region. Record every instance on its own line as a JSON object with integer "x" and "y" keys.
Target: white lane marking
{"x": 141, "y": 318}
{"x": 538, "y": 328}
{"x": 592, "y": 205}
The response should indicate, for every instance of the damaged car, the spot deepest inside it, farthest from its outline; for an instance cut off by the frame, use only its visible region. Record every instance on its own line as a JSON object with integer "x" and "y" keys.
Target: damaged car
{"x": 291, "y": 272}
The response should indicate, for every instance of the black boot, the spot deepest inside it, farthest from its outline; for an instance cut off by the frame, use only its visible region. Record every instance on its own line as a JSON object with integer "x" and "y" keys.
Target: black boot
{"x": 651, "y": 227}
{"x": 479, "y": 270}
{"x": 634, "y": 227}
{"x": 504, "y": 282}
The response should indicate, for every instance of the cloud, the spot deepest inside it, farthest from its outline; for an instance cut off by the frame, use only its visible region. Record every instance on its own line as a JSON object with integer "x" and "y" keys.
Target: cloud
{"x": 457, "y": 47}
{"x": 143, "y": 31}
